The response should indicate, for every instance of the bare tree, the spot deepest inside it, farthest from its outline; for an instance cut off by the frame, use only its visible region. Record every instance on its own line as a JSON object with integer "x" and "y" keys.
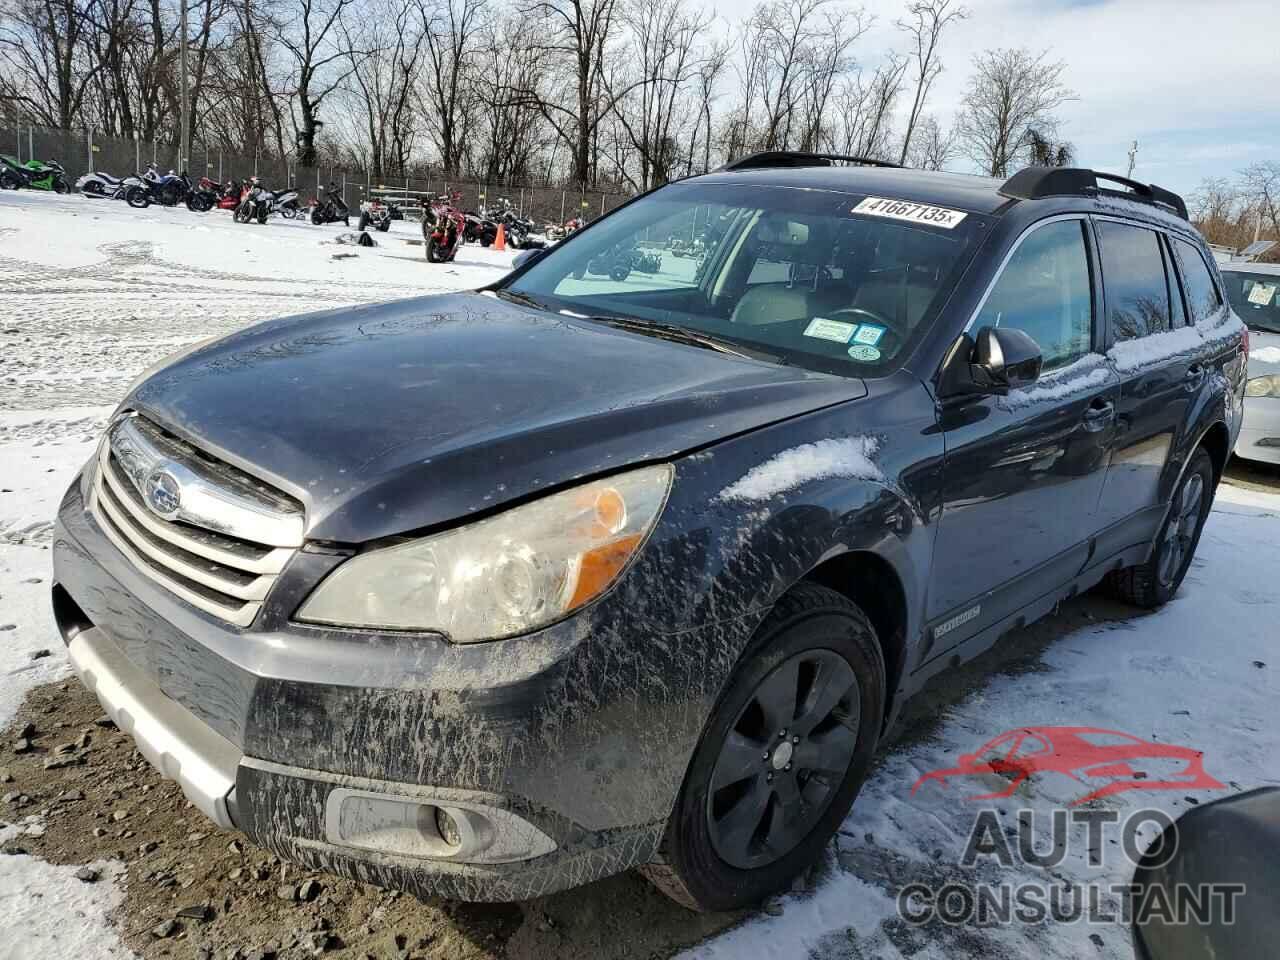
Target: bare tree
{"x": 926, "y": 19}
{"x": 318, "y": 60}
{"x": 864, "y": 110}
{"x": 1044, "y": 151}
{"x": 1260, "y": 188}
{"x": 931, "y": 148}
{"x": 449, "y": 28}
{"x": 41, "y": 41}
{"x": 581, "y": 31}
{"x": 1012, "y": 93}
{"x": 663, "y": 35}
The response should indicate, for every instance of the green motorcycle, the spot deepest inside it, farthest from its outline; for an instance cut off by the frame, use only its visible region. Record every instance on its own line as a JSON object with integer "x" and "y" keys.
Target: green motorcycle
{"x": 34, "y": 175}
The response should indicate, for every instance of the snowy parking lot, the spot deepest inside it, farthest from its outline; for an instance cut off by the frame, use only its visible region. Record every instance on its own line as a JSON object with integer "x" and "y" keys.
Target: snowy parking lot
{"x": 100, "y": 858}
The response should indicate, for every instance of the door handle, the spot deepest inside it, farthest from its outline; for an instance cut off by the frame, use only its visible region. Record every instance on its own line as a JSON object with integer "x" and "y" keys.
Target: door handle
{"x": 1099, "y": 414}
{"x": 1195, "y": 375}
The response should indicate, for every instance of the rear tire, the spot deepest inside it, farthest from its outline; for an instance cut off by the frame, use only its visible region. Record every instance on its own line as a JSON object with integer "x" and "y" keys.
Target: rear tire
{"x": 751, "y": 815}
{"x": 1154, "y": 583}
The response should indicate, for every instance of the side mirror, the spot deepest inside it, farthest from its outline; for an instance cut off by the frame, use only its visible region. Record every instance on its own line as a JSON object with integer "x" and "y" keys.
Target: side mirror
{"x": 999, "y": 360}
{"x": 526, "y": 256}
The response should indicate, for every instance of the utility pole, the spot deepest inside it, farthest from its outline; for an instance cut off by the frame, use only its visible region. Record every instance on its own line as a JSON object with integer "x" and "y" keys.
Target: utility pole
{"x": 1133, "y": 158}
{"x": 184, "y": 140}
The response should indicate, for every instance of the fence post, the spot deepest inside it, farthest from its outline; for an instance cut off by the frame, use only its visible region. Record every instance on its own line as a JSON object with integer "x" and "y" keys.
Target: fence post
{"x": 137, "y": 152}
{"x": 88, "y": 141}
{"x": 17, "y": 135}
{"x": 344, "y": 186}
{"x": 602, "y": 204}
{"x": 562, "y": 207}
{"x": 220, "y": 180}
{"x": 31, "y": 142}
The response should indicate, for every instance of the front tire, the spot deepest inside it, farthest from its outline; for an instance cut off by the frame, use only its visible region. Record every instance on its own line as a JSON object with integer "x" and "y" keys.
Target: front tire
{"x": 781, "y": 758}
{"x": 138, "y": 198}
{"x": 1153, "y": 583}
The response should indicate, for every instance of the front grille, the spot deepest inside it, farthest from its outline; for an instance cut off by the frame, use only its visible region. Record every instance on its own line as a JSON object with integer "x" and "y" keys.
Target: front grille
{"x": 220, "y": 574}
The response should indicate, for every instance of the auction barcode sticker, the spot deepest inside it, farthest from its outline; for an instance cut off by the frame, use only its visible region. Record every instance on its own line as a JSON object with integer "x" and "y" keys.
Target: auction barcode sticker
{"x": 912, "y": 212}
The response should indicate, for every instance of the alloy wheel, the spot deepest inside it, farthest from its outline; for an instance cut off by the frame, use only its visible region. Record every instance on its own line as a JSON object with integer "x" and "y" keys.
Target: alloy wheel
{"x": 783, "y": 759}
{"x": 1180, "y": 529}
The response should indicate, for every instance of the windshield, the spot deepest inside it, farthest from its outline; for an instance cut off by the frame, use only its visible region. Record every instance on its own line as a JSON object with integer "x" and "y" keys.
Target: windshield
{"x": 1255, "y": 297}
{"x": 796, "y": 275}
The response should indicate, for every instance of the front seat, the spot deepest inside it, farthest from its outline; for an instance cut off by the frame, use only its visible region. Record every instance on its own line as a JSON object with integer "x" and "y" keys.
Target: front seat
{"x": 795, "y": 299}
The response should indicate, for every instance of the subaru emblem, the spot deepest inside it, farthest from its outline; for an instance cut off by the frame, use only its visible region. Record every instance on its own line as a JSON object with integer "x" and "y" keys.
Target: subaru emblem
{"x": 164, "y": 494}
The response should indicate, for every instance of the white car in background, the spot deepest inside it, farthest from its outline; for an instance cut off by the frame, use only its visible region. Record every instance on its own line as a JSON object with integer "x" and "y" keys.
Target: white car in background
{"x": 1254, "y": 292}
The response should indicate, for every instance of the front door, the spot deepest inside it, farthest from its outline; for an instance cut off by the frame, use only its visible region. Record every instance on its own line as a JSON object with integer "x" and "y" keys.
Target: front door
{"x": 1023, "y": 472}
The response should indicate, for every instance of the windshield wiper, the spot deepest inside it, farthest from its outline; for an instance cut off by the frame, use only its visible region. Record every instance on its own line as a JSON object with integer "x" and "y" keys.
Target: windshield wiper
{"x": 522, "y": 298}
{"x": 678, "y": 334}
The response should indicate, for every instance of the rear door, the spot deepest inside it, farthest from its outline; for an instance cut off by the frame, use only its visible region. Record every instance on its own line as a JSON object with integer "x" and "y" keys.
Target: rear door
{"x": 1024, "y": 471}
{"x": 1154, "y": 353}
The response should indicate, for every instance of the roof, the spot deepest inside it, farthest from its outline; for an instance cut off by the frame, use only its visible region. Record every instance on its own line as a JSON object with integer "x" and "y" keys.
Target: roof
{"x": 958, "y": 190}
{"x": 1243, "y": 266}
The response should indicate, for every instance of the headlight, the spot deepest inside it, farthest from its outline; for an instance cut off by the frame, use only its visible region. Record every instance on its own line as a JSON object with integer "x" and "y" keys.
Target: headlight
{"x": 503, "y": 576}
{"x": 1263, "y": 387}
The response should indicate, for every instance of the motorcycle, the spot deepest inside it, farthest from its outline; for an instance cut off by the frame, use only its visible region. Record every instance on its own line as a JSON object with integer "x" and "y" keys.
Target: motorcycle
{"x": 168, "y": 191}
{"x": 255, "y": 202}
{"x": 229, "y": 194}
{"x": 332, "y": 208}
{"x": 617, "y": 262}
{"x": 443, "y": 227}
{"x": 104, "y": 185}
{"x": 285, "y": 202}
{"x": 646, "y": 262}
{"x": 34, "y": 175}
{"x": 377, "y": 214}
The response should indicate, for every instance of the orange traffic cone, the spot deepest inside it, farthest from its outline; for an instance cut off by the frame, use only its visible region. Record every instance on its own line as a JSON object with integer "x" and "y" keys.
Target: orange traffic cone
{"x": 500, "y": 241}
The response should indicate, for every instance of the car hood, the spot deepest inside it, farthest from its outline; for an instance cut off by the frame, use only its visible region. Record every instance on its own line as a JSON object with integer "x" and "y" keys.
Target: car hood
{"x": 393, "y": 418}
{"x": 1264, "y": 353}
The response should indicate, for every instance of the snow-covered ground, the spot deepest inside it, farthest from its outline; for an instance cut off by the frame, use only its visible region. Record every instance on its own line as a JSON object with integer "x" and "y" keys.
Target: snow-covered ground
{"x": 91, "y": 293}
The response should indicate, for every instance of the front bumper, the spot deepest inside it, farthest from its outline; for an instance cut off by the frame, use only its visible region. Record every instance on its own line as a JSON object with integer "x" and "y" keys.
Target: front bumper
{"x": 1260, "y": 430}
{"x": 580, "y": 732}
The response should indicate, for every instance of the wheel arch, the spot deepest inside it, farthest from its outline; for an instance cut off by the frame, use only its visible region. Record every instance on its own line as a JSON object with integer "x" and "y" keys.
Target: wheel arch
{"x": 869, "y": 580}
{"x": 1216, "y": 441}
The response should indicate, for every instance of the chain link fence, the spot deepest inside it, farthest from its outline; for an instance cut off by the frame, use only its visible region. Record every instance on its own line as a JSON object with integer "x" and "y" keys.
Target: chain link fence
{"x": 84, "y": 151}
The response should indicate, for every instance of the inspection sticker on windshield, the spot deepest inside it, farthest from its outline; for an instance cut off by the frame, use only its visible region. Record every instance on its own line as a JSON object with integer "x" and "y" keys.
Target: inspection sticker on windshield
{"x": 864, "y": 353}
{"x": 1262, "y": 293}
{"x": 912, "y": 212}
{"x": 825, "y": 329}
{"x": 869, "y": 334}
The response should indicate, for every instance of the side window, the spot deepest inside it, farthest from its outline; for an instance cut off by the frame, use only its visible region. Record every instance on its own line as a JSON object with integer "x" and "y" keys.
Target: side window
{"x": 1045, "y": 292}
{"x": 1203, "y": 299}
{"x": 1178, "y": 313}
{"x": 1133, "y": 277}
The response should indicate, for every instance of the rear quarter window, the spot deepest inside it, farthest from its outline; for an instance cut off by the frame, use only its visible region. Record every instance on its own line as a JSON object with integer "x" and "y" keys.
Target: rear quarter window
{"x": 1203, "y": 299}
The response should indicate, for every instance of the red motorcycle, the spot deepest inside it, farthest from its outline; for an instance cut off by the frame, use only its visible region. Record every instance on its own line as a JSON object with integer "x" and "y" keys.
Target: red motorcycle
{"x": 443, "y": 226}
{"x": 230, "y": 194}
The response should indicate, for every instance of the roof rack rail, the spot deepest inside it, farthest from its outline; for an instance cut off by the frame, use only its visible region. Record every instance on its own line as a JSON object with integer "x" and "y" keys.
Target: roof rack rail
{"x": 797, "y": 158}
{"x": 1033, "y": 183}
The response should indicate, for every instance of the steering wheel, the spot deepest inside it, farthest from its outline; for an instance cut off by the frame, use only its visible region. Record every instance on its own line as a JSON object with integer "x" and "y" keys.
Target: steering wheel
{"x": 863, "y": 315}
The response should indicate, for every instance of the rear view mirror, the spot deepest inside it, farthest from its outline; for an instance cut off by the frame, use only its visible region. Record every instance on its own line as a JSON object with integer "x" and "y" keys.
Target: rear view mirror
{"x": 999, "y": 360}
{"x": 526, "y": 256}
{"x": 1216, "y": 871}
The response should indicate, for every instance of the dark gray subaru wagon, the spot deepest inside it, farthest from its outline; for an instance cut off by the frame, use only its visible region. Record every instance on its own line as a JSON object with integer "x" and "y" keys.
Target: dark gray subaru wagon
{"x": 631, "y": 560}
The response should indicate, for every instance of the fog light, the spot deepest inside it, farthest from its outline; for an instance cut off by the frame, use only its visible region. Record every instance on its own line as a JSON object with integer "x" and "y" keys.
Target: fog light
{"x": 431, "y": 827}
{"x": 447, "y": 829}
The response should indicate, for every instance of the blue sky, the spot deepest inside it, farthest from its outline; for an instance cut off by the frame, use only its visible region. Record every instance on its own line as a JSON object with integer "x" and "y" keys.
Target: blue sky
{"x": 1195, "y": 82}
